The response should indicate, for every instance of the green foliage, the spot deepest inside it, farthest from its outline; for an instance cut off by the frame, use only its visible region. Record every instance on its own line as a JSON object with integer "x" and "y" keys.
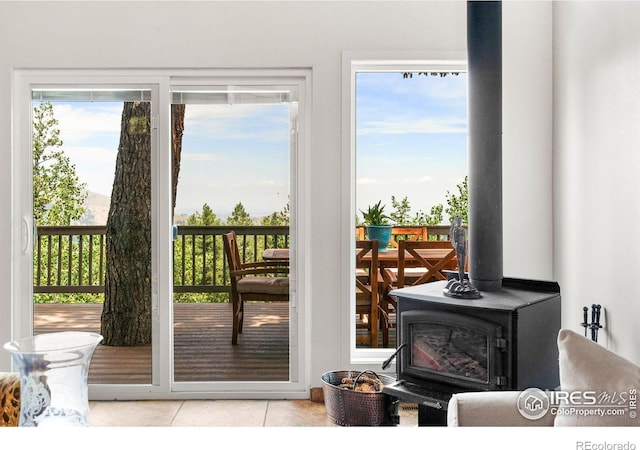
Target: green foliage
{"x": 401, "y": 214}
{"x": 198, "y": 253}
{"x": 58, "y": 195}
{"x": 280, "y": 218}
{"x": 68, "y": 298}
{"x": 201, "y": 297}
{"x": 401, "y": 209}
{"x": 277, "y": 219}
{"x": 433, "y": 218}
{"x": 239, "y": 216}
{"x": 205, "y": 218}
{"x": 375, "y": 215}
{"x": 459, "y": 204}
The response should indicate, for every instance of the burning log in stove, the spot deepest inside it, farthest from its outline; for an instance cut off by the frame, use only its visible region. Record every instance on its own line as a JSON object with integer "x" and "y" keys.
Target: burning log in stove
{"x": 453, "y": 350}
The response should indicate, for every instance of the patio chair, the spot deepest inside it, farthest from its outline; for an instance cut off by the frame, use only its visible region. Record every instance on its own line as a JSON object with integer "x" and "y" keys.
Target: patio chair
{"x": 413, "y": 269}
{"x": 408, "y": 233}
{"x": 367, "y": 294}
{"x": 264, "y": 281}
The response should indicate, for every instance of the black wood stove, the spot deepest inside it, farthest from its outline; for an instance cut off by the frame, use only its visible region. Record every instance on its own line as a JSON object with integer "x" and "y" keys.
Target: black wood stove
{"x": 505, "y": 340}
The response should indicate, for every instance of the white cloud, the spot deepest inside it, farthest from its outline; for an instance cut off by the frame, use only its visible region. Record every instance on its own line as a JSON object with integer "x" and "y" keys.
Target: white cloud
{"x": 77, "y": 123}
{"x": 234, "y": 122}
{"x": 91, "y": 154}
{"x": 364, "y": 181}
{"x": 188, "y": 156}
{"x": 399, "y": 125}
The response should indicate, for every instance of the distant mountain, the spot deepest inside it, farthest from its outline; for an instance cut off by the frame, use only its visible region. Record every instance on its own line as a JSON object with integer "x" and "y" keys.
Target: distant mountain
{"x": 96, "y": 209}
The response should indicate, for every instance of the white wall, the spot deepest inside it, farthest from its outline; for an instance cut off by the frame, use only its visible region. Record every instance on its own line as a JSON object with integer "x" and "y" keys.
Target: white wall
{"x": 596, "y": 124}
{"x": 597, "y": 165}
{"x": 527, "y": 99}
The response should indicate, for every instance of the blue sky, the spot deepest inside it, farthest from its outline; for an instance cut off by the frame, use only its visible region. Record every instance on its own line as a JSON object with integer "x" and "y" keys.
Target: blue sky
{"x": 411, "y": 138}
{"x": 411, "y": 141}
{"x": 235, "y": 154}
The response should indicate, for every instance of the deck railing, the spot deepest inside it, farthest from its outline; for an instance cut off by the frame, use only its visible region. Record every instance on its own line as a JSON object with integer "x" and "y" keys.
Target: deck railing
{"x": 434, "y": 232}
{"x": 72, "y": 259}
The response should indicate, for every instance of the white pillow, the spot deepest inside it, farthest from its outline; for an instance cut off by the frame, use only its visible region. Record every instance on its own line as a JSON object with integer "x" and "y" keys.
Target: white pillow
{"x": 592, "y": 372}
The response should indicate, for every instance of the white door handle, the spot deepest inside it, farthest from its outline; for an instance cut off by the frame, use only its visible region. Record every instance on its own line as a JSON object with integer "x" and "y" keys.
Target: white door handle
{"x": 26, "y": 234}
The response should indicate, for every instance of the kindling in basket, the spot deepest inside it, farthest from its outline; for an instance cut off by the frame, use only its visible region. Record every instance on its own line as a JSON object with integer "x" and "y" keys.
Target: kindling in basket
{"x": 355, "y": 398}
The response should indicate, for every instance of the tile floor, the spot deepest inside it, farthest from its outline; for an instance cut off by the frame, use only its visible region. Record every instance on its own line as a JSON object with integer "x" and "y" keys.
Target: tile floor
{"x": 220, "y": 413}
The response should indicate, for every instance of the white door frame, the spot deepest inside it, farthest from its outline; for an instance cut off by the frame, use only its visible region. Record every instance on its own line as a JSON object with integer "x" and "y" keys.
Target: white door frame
{"x": 160, "y": 81}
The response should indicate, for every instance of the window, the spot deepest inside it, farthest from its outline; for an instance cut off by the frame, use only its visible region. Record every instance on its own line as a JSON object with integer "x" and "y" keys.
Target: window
{"x": 407, "y": 149}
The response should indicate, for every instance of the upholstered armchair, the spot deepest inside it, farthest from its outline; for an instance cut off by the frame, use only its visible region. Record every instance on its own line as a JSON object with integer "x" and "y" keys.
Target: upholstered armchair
{"x": 597, "y": 377}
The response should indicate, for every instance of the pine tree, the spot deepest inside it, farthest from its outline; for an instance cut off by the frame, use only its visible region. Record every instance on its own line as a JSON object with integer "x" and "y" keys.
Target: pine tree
{"x": 239, "y": 216}
{"x": 58, "y": 195}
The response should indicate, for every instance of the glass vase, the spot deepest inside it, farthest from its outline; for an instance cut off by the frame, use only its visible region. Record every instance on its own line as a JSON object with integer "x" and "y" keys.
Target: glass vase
{"x": 53, "y": 370}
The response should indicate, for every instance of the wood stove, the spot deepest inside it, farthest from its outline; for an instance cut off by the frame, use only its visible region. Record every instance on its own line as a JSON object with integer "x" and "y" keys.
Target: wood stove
{"x": 505, "y": 340}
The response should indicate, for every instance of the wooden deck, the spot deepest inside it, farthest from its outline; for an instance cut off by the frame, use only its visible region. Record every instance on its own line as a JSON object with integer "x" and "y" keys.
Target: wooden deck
{"x": 202, "y": 341}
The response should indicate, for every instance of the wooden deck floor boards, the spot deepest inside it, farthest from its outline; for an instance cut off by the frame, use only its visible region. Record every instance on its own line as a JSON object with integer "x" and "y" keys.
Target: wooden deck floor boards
{"x": 202, "y": 341}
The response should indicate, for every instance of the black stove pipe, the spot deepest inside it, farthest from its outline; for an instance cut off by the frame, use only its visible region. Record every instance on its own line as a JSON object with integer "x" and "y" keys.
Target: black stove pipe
{"x": 484, "y": 46}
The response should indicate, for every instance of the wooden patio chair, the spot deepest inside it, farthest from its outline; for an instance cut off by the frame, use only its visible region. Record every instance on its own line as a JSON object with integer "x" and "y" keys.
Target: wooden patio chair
{"x": 367, "y": 294}
{"x": 408, "y": 233}
{"x": 263, "y": 281}
{"x": 412, "y": 270}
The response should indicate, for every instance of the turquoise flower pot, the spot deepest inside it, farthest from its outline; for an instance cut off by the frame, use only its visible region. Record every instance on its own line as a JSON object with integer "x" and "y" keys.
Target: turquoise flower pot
{"x": 382, "y": 233}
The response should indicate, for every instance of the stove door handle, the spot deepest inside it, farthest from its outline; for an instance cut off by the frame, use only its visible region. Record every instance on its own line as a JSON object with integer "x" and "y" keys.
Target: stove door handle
{"x": 436, "y": 405}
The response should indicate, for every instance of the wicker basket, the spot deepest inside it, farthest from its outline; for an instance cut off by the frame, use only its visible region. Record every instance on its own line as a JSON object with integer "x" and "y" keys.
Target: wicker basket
{"x": 347, "y": 407}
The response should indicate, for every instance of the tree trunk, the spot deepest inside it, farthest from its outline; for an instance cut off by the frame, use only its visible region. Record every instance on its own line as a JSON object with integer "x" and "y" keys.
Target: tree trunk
{"x": 177, "y": 128}
{"x": 126, "y": 315}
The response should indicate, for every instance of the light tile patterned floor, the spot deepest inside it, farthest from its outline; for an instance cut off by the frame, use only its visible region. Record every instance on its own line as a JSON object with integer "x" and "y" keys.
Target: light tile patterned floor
{"x": 219, "y": 413}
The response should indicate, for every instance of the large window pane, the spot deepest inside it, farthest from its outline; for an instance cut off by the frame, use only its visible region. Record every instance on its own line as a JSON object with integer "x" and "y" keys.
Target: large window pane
{"x": 411, "y": 151}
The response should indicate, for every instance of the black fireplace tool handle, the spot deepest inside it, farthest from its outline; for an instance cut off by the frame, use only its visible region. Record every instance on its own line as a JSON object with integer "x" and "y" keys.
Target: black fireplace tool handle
{"x": 593, "y": 322}
{"x": 387, "y": 362}
{"x": 597, "y": 325}
{"x": 585, "y": 324}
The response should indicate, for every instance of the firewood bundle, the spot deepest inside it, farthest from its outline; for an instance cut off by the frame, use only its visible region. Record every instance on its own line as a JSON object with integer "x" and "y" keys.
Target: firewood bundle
{"x": 364, "y": 382}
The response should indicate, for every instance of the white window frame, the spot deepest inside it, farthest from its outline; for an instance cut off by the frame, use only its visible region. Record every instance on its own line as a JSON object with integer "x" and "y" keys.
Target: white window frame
{"x": 160, "y": 81}
{"x": 353, "y": 62}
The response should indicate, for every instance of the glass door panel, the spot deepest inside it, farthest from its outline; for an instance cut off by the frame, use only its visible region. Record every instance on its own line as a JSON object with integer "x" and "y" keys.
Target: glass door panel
{"x": 92, "y": 258}
{"x": 232, "y": 171}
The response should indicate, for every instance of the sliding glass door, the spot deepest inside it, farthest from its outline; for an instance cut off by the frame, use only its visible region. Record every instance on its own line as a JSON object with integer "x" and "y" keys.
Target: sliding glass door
{"x": 125, "y": 186}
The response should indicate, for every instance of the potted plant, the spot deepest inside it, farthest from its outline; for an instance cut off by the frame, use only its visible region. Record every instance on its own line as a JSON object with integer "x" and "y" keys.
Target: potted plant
{"x": 377, "y": 225}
